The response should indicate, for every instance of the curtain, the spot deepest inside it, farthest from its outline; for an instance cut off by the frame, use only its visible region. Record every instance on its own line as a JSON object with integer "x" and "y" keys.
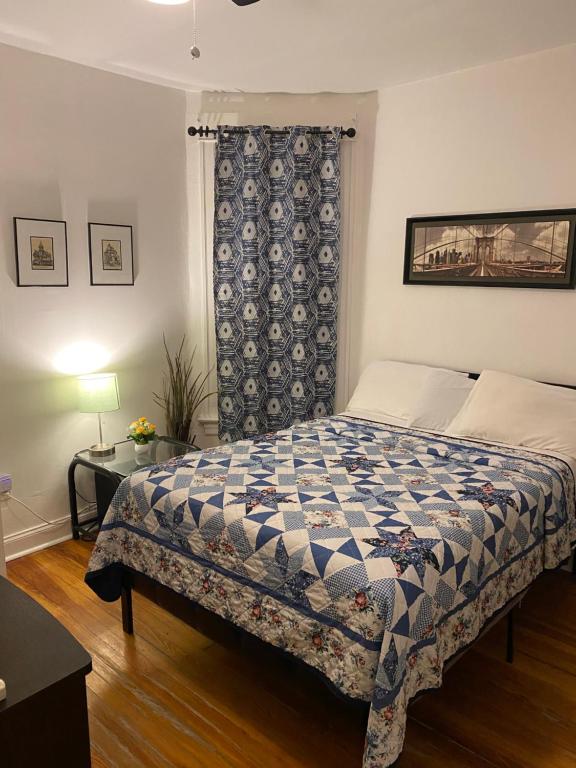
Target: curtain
{"x": 276, "y": 272}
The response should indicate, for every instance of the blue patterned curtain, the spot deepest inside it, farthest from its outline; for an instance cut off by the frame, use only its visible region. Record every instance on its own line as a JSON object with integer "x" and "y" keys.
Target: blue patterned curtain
{"x": 276, "y": 270}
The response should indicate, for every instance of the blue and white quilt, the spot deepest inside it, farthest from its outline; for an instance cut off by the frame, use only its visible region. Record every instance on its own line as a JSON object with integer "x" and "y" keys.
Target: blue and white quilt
{"x": 373, "y": 553}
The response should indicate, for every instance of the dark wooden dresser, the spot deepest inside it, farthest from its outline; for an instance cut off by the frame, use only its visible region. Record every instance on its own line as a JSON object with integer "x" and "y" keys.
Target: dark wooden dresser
{"x": 44, "y": 718}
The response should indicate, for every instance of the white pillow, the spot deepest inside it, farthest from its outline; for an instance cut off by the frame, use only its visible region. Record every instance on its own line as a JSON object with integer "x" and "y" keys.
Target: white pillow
{"x": 507, "y": 409}
{"x": 389, "y": 389}
{"x": 441, "y": 397}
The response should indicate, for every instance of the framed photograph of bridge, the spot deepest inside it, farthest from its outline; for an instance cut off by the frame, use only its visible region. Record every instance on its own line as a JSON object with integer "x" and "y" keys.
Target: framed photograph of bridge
{"x": 521, "y": 249}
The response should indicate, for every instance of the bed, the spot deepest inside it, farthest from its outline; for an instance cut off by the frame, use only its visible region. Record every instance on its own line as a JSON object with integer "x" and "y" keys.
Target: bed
{"x": 372, "y": 552}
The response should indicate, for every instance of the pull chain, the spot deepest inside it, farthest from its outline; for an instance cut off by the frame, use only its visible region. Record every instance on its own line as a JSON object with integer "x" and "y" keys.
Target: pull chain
{"x": 194, "y": 51}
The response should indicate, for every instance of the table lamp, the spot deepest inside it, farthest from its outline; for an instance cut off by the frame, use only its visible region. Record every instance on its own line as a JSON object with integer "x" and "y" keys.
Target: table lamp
{"x": 98, "y": 393}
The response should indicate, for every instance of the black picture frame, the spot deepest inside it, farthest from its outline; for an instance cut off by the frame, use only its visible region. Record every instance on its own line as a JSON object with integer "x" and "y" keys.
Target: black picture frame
{"x": 115, "y": 233}
{"x": 467, "y": 260}
{"x": 22, "y": 280}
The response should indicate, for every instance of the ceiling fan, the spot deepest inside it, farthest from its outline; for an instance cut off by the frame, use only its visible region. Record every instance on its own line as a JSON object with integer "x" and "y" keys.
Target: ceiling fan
{"x": 244, "y": 2}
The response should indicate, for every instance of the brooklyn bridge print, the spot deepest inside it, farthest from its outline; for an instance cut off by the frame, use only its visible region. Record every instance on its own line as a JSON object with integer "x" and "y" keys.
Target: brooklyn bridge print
{"x": 523, "y": 249}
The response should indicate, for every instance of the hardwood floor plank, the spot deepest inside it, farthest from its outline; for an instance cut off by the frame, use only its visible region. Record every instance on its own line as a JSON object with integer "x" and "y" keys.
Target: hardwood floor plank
{"x": 485, "y": 705}
{"x": 170, "y": 696}
{"x": 425, "y": 747}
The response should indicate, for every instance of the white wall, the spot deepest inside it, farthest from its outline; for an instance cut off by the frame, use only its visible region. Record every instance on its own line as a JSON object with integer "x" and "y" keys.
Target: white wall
{"x": 498, "y": 137}
{"x": 83, "y": 145}
{"x": 277, "y": 109}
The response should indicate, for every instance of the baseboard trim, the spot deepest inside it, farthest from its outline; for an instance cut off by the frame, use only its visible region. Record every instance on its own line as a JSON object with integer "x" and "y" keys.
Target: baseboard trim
{"x": 41, "y": 536}
{"x": 209, "y": 425}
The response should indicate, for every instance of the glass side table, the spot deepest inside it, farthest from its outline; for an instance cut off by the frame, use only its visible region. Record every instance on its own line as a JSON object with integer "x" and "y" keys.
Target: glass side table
{"x": 109, "y": 471}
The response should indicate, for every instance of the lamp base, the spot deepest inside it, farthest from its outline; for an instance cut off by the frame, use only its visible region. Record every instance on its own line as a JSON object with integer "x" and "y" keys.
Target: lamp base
{"x": 99, "y": 450}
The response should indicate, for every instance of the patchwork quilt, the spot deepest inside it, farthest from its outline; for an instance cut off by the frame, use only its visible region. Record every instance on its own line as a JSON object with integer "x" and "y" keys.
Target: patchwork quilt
{"x": 373, "y": 553}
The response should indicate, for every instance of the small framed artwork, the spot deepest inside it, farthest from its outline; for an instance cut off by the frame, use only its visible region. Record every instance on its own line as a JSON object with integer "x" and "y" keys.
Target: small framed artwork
{"x": 111, "y": 254}
{"x": 522, "y": 249}
{"x": 41, "y": 252}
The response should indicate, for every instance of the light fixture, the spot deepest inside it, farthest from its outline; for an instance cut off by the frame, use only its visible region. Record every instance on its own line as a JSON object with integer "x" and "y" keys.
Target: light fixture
{"x": 169, "y": 2}
{"x": 98, "y": 393}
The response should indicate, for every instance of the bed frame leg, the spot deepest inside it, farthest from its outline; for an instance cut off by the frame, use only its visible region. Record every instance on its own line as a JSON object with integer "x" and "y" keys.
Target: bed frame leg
{"x": 126, "y": 599}
{"x": 510, "y": 636}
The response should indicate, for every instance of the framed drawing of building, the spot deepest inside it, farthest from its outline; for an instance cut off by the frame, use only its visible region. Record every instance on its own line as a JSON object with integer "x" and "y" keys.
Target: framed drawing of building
{"x": 41, "y": 252}
{"x": 521, "y": 249}
{"x": 111, "y": 254}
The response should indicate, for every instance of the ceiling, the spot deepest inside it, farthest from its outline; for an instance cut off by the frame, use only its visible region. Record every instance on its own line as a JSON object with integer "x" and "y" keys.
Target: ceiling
{"x": 288, "y": 45}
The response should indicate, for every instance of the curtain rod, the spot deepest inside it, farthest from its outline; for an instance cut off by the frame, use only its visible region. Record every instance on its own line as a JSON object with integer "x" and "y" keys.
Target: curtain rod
{"x": 204, "y": 130}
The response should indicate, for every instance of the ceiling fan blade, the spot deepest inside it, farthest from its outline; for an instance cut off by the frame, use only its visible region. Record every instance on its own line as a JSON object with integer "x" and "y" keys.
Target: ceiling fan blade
{"x": 244, "y": 2}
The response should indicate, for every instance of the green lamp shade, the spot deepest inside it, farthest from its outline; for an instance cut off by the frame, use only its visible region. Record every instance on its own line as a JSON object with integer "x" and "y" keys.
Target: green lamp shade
{"x": 98, "y": 393}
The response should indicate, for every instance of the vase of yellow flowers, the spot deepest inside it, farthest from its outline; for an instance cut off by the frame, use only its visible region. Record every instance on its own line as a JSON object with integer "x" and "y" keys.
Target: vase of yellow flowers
{"x": 143, "y": 433}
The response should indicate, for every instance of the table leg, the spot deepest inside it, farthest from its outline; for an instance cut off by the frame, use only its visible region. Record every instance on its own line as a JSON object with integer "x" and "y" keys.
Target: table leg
{"x": 73, "y": 499}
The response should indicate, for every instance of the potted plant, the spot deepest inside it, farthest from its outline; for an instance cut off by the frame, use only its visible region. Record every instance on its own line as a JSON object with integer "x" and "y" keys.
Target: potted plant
{"x": 183, "y": 393}
{"x": 143, "y": 432}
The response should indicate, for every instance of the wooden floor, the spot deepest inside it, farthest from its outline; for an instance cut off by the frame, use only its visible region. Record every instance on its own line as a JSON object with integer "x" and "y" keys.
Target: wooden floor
{"x": 170, "y": 697}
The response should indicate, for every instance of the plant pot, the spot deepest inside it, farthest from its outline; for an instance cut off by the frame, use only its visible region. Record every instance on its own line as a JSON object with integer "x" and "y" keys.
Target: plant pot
{"x": 141, "y": 448}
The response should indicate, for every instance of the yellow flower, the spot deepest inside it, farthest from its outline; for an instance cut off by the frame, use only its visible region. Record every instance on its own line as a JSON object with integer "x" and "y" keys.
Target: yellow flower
{"x": 152, "y": 427}
{"x": 139, "y": 430}
{"x": 142, "y": 419}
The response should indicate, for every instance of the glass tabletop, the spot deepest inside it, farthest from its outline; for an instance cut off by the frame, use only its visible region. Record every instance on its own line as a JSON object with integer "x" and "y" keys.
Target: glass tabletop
{"x": 126, "y": 461}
